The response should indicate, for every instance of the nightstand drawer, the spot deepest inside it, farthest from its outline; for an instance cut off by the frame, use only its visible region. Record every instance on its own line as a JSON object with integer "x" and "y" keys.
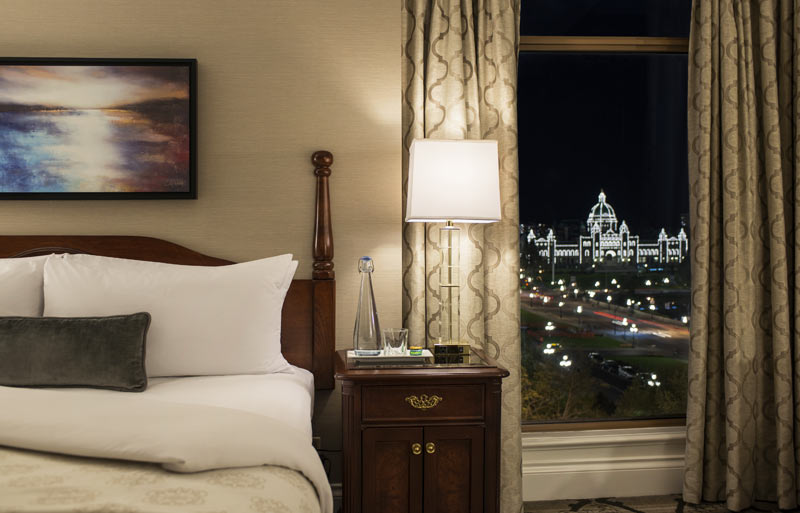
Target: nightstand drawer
{"x": 422, "y": 402}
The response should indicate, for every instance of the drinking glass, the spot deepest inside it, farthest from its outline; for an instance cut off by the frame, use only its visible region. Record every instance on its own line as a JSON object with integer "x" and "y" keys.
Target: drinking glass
{"x": 394, "y": 341}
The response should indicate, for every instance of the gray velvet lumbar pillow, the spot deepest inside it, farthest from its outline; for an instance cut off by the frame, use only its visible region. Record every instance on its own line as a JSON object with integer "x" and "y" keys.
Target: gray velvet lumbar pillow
{"x": 95, "y": 352}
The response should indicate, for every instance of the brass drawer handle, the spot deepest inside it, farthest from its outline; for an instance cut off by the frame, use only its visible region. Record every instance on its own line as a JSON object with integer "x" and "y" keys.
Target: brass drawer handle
{"x": 416, "y": 449}
{"x": 430, "y": 447}
{"x": 423, "y": 402}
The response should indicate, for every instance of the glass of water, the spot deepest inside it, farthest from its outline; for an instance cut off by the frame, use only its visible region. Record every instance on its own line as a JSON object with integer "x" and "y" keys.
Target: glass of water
{"x": 394, "y": 341}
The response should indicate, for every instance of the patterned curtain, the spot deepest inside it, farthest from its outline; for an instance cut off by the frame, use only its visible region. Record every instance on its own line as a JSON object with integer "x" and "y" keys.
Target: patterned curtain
{"x": 743, "y": 430}
{"x": 459, "y": 82}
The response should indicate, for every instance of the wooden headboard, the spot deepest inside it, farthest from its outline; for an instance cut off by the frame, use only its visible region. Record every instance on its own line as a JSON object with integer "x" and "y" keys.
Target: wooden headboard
{"x": 309, "y": 312}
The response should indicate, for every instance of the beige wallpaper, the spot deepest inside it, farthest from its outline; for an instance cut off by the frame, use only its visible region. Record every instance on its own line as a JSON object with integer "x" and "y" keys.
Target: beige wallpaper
{"x": 277, "y": 79}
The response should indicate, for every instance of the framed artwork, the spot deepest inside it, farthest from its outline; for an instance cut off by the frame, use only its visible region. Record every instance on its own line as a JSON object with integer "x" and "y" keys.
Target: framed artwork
{"x": 98, "y": 128}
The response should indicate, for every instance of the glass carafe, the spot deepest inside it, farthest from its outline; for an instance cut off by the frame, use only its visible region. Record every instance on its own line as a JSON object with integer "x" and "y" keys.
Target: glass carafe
{"x": 367, "y": 332}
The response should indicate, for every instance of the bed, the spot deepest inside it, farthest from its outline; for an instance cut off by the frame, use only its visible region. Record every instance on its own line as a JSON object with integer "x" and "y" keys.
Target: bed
{"x": 203, "y": 443}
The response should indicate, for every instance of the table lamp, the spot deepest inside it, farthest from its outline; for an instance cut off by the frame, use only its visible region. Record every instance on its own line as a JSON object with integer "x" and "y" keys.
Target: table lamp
{"x": 452, "y": 181}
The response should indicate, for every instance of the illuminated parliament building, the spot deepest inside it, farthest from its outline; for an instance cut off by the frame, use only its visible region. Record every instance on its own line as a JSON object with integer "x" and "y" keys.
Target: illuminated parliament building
{"x": 608, "y": 243}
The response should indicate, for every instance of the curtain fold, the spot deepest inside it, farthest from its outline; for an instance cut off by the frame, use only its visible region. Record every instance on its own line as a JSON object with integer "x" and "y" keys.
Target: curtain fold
{"x": 742, "y": 417}
{"x": 459, "y": 71}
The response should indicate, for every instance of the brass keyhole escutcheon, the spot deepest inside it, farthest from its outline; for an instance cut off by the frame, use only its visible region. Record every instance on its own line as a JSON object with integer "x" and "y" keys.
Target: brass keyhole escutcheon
{"x": 416, "y": 449}
{"x": 430, "y": 447}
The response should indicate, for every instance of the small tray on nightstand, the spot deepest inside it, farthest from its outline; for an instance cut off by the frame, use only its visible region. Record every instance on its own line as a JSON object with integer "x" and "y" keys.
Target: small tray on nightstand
{"x": 399, "y": 359}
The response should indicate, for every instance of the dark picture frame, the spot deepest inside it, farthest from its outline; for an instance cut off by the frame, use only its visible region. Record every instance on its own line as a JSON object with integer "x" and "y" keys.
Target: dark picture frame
{"x": 98, "y": 129}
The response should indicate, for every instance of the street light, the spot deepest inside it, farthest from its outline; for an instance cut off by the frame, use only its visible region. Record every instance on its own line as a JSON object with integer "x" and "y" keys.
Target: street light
{"x": 560, "y": 312}
{"x": 648, "y": 283}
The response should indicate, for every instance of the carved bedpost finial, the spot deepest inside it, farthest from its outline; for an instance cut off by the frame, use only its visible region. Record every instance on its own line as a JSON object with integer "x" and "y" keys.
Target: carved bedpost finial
{"x": 323, "y": 232}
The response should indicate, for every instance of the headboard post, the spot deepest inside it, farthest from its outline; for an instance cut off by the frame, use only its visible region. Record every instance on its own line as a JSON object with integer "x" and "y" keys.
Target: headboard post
{"x": 323, "y": 233}
{"x": 323, "y": 274}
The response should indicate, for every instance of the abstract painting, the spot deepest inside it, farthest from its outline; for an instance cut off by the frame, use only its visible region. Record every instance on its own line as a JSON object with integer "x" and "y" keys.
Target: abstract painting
{"x": 97, "y": 129}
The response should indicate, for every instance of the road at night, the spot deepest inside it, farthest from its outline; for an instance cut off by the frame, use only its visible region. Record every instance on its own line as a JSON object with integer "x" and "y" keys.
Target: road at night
{"x": 656, "y": 335}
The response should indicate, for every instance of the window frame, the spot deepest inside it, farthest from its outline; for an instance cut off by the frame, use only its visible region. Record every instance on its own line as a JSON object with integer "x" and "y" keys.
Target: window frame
{"x": 604, "y": 44}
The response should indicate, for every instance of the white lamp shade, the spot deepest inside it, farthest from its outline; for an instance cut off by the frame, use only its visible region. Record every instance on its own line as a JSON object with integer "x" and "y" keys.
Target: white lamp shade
{"x": 453, "y": 181}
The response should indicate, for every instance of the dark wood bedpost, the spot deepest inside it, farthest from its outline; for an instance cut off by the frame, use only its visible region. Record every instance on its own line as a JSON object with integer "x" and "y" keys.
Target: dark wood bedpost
{"x": 323, "y": 275}
{"x": 323, "y": 232}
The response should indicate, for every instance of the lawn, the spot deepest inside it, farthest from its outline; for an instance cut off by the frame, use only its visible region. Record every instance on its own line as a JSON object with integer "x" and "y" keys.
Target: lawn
{"x": 588, "y": 342}
{"x": 532, "y": 320}
{"x": 658, "y": 364}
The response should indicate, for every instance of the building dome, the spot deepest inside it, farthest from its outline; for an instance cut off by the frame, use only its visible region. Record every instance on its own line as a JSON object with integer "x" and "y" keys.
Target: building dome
{"x": 602, "y": 214}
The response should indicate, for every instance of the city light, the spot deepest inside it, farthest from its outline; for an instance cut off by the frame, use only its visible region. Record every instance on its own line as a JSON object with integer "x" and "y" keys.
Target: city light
{"x": 591, "y": 293}
{"x": 565, "y": 361}
{"x": 608, "y": 298}
{"x": 652, "y": 307}
{"x": 560, "y": 304}
{"x": 597, "y": 284}
{"x": 614, "y": 281}
{"x": 550, "y": 326}
{"x": 648, "y": 283}
{"x": 609, "y": 239}
{"x": 530, "y": 295}
{"x": 560, "y": 282}
{"x": 629, "y": 302}
{"x": 633, "y": 329}
{"x": 685, "y": 319}
{"x": 665, "y": 280}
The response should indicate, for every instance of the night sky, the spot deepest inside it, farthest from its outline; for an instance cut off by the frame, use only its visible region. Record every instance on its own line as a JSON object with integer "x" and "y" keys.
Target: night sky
{"x": 593, "y": 121}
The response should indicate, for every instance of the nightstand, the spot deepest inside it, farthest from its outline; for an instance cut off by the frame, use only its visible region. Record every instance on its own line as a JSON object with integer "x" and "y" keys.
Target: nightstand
{"x": 422, "y": 437}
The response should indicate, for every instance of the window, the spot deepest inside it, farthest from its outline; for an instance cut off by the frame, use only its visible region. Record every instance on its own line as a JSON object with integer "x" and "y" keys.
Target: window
{"x": 604, "y": 267}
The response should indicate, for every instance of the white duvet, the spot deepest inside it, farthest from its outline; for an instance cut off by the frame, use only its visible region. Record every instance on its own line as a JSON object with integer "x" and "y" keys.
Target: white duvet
{"x": 180, "y": 437}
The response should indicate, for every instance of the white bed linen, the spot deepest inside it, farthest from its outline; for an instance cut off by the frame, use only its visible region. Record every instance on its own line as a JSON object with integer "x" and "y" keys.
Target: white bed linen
{"x": 184, "y": 424}
{"x": 286, "y": 396}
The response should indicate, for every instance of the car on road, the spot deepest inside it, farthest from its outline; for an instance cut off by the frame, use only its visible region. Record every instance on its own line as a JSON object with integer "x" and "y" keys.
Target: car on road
{"x": 610, "y": 366}
{"x": 596, "y": 357}
{"x": 626, "y": 371}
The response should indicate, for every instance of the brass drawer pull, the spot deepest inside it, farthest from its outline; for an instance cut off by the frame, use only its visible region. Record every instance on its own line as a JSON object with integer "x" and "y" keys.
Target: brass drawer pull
{"x": 416, "y": 449}
{"x": 423, "y": 402}
{"x": 430, "y": 447}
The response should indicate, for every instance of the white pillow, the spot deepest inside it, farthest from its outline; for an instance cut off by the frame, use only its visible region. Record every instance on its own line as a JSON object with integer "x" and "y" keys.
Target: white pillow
{"x": 205, "y": 320}
{"x": 21, "y": 286}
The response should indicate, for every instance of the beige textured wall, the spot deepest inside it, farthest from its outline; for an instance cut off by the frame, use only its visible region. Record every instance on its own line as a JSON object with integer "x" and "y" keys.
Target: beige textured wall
{"x": 278, "y": 79}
